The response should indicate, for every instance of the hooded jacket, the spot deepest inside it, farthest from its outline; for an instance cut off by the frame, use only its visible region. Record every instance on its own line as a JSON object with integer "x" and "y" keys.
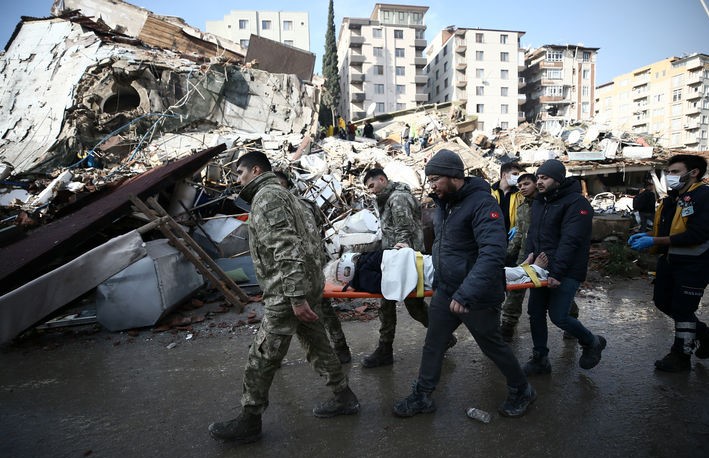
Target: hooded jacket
{"x": 470, "y": 246}
{"x": 400, "y": 217}
{"x": 561, "y": 227}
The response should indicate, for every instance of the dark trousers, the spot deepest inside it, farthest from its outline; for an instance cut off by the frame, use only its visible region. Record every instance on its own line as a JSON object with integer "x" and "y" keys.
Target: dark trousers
{"x": 484, "y": 325}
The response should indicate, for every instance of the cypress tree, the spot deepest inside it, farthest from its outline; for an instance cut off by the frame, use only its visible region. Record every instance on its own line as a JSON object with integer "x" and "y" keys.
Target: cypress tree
{"x": 331, "y": 92}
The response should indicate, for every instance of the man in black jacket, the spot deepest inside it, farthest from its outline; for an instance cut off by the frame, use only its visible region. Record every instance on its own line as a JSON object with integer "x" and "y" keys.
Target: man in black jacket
{"x": 561, "y": 228}
{"x": 468, "y": 255}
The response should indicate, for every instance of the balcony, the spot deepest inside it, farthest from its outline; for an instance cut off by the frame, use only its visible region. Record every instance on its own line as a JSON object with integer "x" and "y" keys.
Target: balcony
{"x": 421, "y": 97}
{"x": 356, "y": 78}
{"x": 695, "y": 95}
{"x": 642, "y": 81}
{"x": 521, "y": 99}
{"x": 691, "y": 140}
{"x": 460, "y": 32}
{"x": 521, "y": 116}
{"x": 461, "y": 66}
{"x": 461, "y": 83}
{"x": 357, "y": 59}
{"x": 521, "y": 82}
{"x": 692, "y": 110}
{"x": 420, "y": 79}
{"x": 554, "y": 99}
{"x": 357, "y": 97}
{"x": 639, "y": 122}
{"x": 356, "y": 41}
{"x": 462, "y": 96}
{"x": 552, "y": 82}
{"x": 695, "y": 78}
{"x": 460, "y": 46}
{"x": 420, "y": 43}
{"x": 551, "y": 64}
{"x": 420, "y": 61}
{"x": 640, "y": 95}
{"x": 691, "y": 125}
{"x": 357, "y": 23}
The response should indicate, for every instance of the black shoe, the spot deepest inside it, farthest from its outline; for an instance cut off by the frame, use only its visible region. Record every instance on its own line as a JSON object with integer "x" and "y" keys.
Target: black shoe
{"x": 591, "y": 355}
{"x": 518, "y": 400}
{"x": 244, "y": 429}
{"x": 343, "y": 403}
{"x": 508, "y": 332}
{"x": 382, "y": 356}
{"x": 343, "y": 354}
{"x": 451, "y": 342}
{"x": 674, "y": 362}
{"x": 703, "y": 350}
{"x": 417, "y": 402}
{"x": 537, "y": 365}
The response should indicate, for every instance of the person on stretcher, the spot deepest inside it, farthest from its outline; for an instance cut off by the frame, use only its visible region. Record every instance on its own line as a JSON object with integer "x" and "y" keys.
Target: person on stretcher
{"x": 398, "y": 274}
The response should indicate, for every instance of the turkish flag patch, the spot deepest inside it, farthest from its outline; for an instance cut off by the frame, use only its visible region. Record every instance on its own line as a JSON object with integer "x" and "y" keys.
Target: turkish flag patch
{"x": 494, "y": 215}
{"x": 584, "y": 212}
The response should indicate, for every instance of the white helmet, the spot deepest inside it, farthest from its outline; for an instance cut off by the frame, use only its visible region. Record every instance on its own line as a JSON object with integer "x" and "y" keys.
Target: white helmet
{"x": 346, "y": 267}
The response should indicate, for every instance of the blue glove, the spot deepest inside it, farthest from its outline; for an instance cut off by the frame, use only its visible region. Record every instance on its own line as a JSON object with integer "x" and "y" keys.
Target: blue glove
{"x": 634, "y": 237}
{"x": 511, "y": 233}
{"x": 643, "y": 242}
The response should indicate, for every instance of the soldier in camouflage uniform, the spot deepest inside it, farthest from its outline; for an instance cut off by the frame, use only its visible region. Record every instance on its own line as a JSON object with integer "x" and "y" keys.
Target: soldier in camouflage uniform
{"x": 287, "y": 256}
{"x": 400, "y": 220}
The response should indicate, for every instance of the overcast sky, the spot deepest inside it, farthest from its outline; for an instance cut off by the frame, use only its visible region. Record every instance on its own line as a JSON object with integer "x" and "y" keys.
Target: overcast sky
{"x": 629, "y": 33}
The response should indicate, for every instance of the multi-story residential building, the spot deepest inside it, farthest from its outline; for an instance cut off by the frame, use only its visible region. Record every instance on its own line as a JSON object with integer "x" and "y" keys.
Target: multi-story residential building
{"x": 480, "y": 69}
{"x": 381, "y": 61}
{"x": 289, "y": 28}
{"x": 560, "y": 83}
{"x": 668, "y": 99}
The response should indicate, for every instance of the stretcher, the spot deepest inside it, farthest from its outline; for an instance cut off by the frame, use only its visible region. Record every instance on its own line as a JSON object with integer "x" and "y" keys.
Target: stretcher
{"x": 334, "y": 291}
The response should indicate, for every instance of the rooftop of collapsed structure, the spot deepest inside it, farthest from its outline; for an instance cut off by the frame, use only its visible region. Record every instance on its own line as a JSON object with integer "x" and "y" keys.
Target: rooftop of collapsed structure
{"x": 133, "y": 104}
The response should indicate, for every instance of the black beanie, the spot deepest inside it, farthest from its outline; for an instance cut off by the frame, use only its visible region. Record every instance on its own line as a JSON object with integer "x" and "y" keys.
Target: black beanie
{"x": 445, "y": 163}
{"x": 553, "y": 169}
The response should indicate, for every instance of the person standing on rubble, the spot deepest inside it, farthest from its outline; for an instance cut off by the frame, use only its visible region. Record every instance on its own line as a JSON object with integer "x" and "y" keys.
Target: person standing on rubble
{"x": 400, "y": 220}
{"x": 644, "y": 204}
{"x": 330, "y": 319}
{"x": 560, "y": 227}
{"x": 505, "y": 192}
{"x": 406, "y": 139}
{"x": 680, "y": 235}
{"x": 368, "y": 130}
{"x": 469, "y": 284}
{"x": 287, "y": 257}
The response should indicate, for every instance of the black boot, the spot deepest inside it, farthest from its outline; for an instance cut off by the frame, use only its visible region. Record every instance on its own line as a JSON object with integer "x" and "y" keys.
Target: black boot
{"x": 518, "y": 399}
{"x": 417, "y": 402}
{"x": 537, "y": 365}
{"x": 382, "y": 356}
{"x": 244, "y": 429}
{"x": 674, "y": 361}
{"x": 451, "y": 342}
{"x": 591, "y": 354}
{"x": 342, "y": 403}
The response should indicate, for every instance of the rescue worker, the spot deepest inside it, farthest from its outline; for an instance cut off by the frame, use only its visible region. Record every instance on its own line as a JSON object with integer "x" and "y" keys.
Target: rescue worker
{"x": 505, "y": 192}
{"x": 469, "y": 284}
{"x": 680, "y": 235}
{"x": 287, "y": 257}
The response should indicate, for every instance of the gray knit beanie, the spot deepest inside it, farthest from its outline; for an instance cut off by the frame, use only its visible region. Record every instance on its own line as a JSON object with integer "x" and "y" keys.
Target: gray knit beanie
{"x": 445, "y": 163}
{"x": 553, "y": 169}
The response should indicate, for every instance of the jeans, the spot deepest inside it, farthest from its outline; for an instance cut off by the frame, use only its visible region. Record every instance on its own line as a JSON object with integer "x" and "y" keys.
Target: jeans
{"x": 557, "y": 302}
{"x": 483, "y": 324}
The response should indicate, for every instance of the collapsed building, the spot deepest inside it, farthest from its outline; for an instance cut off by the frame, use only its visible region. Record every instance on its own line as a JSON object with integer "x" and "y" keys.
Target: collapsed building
{"x": 106, "y": 105}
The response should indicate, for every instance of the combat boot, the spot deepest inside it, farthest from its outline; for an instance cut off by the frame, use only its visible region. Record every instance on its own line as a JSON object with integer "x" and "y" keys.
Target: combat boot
{"x": 417, "y": 402}
{"x": 342, "y": 403}
{"x": 244, "y": 429}
{"x": 703, "y": 350}
{"x": 343, "y": 354}
{"x": 508, "y": 332}
{"x": 382, "y": 356}
{"x": 674, "y": 361}
{"x": 591, "y": 354}
{"x": 537, "y": 365}
{"x": 518, "y": 400}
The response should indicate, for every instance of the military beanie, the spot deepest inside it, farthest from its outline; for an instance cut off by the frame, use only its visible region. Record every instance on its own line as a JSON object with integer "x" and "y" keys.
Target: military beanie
{"x": 445, "y": 163}
{"x": 553, "y": 169}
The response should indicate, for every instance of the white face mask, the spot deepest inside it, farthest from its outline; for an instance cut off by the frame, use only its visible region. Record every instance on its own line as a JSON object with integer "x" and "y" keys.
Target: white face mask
{"x": 512, "y": 180}
{"x": 674, "y": 181}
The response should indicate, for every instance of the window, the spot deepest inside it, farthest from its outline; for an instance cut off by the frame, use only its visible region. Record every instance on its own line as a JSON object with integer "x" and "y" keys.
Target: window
{"x": 480, "y": 73}
{"x": 585, "y": 74}
{"x": 504, "y": 125}
{"x": 416, "y": 18}
{"x": 402, "y": 17}
{"x": 445, "y": 67}
{"x": 400, "y": 89}
{"x": 585, "y": 107}
{"x": 479, "y": 108}
{"x": 676, "y": 109}
{"x": 435, "y": 62}
{"x": 677, "y": 95}
{"x": 504, "y": 57}
{"x": 481, "y": 125}
{"x": 479, "y": 90}
{"x": 705, "y": 119}
{"x": 445, "y": 83}
{"x": 398, "y": 33}
{"x": 445, "y": 99}
{"x": 554, "y": 56}
{"x": 378, "y": 51}
{"x": 436, "y": 74}
{"x": 503, "y": 39}
{"x": 505, "y": 74}
{"x": 445, "y": 50}
{"x": 675, "y": 124}
{"x": 553, "y": 73}
{"x": 399, "y": 52}
{"x": 400, "y": 106}
{"x": 380, "y": 107}
{"x": 504, "y": 108}
{"x": 243, "y": 24}
{"x": 378, "y": 69}
{"x": 288, "y": 42}
{"x": 376, "y": 33}
{"x": 585, "y": 91}
{"x": 587, "y": 56}
{"x": 438, "y": 90}
{"x": 479, "y": 55}
{"x": 503, "y": 91}
{"x": 244, "y": 43}
{"x": 265, "y": 25}
{"x": 399, "y": 71}
{"x": 379, "y": 89}
{"x": 420, "y": 34}
{"x": 553, "y": 91}
{"x": 479, "y": 38}
{"x": 287, "y": 26}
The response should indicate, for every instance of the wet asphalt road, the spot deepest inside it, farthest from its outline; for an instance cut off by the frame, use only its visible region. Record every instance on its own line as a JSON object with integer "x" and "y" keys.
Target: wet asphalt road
{"x": 111, "y": 395}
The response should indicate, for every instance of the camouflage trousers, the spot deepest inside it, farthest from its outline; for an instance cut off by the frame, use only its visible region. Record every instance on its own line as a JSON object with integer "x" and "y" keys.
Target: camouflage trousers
{"x": 512, "y": 308}
{"x": 387, "y": 316}
{"x": 333, "y": 325}
{"x": 271, "y": 345}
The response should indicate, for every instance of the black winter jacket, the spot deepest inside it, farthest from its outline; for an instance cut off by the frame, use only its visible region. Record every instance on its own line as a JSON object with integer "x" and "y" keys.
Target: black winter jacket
{"x": 470, "y": 246}
{"x": 561, "y": 227}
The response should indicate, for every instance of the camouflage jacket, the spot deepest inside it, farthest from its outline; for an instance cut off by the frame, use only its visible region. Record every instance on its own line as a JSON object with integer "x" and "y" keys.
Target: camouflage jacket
{"x": 515, "y": 248}
{"x": 285, "y": 243}
{"x": 400, "y": 217}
